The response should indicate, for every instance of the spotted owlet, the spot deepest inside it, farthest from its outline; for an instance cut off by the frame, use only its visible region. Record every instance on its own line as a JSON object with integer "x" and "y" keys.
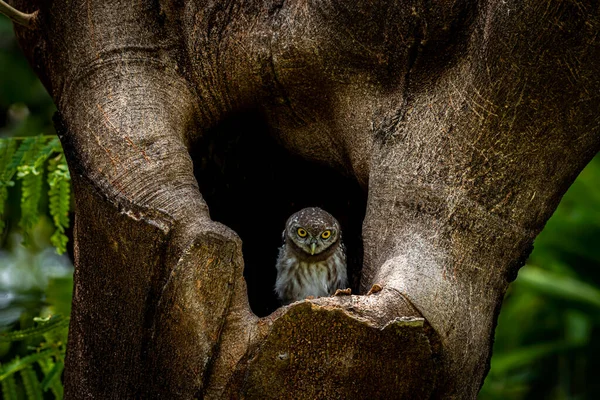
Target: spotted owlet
{"x": 312, "y": 260}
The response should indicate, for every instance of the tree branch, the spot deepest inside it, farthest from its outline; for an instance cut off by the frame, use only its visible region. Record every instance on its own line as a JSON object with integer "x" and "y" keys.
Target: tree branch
{"x": 18, "y": 17}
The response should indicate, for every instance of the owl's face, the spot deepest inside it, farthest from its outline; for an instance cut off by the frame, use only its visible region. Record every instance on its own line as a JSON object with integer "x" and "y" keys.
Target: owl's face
{"x": 312, "y": 230}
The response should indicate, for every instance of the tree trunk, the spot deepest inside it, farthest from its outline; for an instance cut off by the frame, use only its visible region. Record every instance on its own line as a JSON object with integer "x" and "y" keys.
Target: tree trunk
{"x": 444, "y": 132}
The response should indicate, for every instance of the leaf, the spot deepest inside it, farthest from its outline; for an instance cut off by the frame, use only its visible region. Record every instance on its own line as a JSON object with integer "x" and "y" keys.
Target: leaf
{"x": 559, "y": 286}
{"x": 7, "y": 151}
{"x": 31, "y": 186}
{"x": 578, "y": 327}
{"x": 18, "y": 363}
{"x": 31, "y": 383}
{"x": 37, "y": 153}
{"x": 59, "y": 195}
{"x": 55, "y": 385}
{"x": 56, "y": 322}
{"x": 9, "y": 388}
{"x": 31, "y": 192}
{"x": 527, "y": 355}
{"x": 28, "y": 159}
{"x": 17, "y": 158}
{"x": 53, "y": 146}
{"x": 59, "y": 294}
{"x": 9, "y": 161}
{"x": 52, "y": 374}
{"x": 28, "y": 162}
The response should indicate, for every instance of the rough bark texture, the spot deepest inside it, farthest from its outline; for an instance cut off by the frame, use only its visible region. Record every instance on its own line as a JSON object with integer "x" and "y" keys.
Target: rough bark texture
{"x": 463, "y": 122}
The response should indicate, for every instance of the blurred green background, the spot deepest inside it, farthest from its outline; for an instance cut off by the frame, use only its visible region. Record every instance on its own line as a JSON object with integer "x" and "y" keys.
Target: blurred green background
{"x": 544, "y": 344}
{"x": 34, "y": 281}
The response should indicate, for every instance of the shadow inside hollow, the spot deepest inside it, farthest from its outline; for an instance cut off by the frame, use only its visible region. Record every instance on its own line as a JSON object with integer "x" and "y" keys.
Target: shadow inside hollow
{"x": 252, "y": 185}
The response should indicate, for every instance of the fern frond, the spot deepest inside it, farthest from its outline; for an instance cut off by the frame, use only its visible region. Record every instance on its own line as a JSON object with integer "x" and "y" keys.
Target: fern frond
{"x": 8, "y": 147}
{"x": 7, "y": 151}
{"x": 11, "y": 159}
{"x": 59, "y": 195}
{"x": 51, "y": 147}
{"x": 18, "y": 363}
{"x": 9, "y": 388}
{"x": 56, "y": 322}
{"x": 28, "y": 161}
{"x": 16, "y": 160}
{"x": 31, "y": 184}
{"x": 31, "y": 383}
{"x": 31, "y": 156}
{"x": 52, "y": 372}
{"x": 31, "y": 192}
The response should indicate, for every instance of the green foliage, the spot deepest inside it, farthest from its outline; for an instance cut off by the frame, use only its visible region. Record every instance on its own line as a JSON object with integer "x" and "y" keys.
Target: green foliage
{"x": 31, "y": 191}
{"x": 55, "y": 322}
{"x": 30, "y": 161}
{"x": 18, "y": 157}
{"x": 560, "y": 286}
{"x": 48, "y": 356}
{"x": 7, "y": 150}
{"x": 59, "y": 196}
{"x": 31, "y": 383}
{"x": 33, "y": 357}
{"x": 9, "y": 388}
{"x": 52, "y": 372}
{"x": 544, "y": 346}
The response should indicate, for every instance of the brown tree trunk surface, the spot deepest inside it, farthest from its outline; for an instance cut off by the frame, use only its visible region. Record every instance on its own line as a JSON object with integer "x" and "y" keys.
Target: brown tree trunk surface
{"x": 442, "y": 134}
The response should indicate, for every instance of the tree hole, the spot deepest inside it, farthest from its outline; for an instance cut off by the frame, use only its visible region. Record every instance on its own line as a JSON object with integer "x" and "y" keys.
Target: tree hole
{"x": 252, "y": 185}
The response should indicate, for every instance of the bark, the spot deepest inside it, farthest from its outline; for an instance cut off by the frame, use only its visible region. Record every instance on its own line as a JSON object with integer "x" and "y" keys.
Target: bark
{"x": 452, "y": 127}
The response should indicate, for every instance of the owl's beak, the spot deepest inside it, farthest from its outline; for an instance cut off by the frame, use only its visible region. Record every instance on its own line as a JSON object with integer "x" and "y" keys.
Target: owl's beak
{"x": 313, "y": 246}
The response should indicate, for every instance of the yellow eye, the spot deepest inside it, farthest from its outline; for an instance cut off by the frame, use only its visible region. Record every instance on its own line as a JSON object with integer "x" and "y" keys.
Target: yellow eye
{"x": 301, "y": 232}
{"x": 326, "y": 234}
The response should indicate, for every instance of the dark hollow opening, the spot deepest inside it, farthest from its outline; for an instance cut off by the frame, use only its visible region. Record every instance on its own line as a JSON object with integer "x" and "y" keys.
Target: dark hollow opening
{"x": 252, "y": 185}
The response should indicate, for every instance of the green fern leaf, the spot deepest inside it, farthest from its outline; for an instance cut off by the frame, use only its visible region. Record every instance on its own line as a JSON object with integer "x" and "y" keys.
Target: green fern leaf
{"x": 37, "y": 150}
{"x": 52, "y": 374}
{"x": 31, "y": 192}
{"x": 7, "y": 151}
{"x": 51, "y": 147}
{"x": 31, "y": 185}
{"x": 18, "y": 363}
{"x": 31, "y": 383}
{"x": 16, "y": 160}
{"x": 11, "y": 159}
{"x": 55, "y": 323}
{"x": 9, "y": 388}
{"x": 8, "y": 148}
{"x": 59, "y": 195}
{"x": 59, "y": 240}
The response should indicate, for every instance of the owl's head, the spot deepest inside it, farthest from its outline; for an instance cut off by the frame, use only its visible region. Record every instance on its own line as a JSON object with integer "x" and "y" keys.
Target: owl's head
{"x": 312, "y": 230}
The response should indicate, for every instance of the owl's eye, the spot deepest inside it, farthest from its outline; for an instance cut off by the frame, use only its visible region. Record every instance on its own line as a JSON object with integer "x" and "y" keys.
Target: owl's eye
{"x": 301, "y": 232}
{"x": 326, "y": 234}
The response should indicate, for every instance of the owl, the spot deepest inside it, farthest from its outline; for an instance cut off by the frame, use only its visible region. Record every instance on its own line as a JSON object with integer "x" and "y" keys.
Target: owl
{"x": 312, "y": 260}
